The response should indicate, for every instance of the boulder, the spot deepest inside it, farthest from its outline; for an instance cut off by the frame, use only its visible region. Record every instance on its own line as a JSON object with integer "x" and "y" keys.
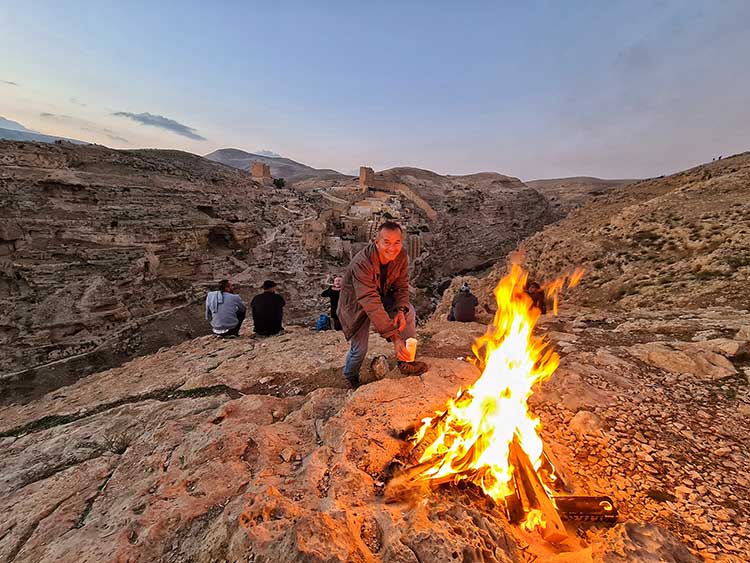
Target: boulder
{"x": 685, "y": 358}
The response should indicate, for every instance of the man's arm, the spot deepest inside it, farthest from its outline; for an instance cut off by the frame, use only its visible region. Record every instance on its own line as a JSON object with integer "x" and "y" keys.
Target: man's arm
{"x": 208, "y": 311}
{"x": 368, "y": 297}
{"x": 240, "y": 305}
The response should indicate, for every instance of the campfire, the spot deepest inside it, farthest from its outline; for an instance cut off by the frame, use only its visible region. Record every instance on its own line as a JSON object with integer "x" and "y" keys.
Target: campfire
{"x": 488, "y": 437}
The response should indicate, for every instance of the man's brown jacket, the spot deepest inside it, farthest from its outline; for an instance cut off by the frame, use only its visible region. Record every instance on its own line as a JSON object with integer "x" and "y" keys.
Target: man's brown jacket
{"x": 360, "y": 297}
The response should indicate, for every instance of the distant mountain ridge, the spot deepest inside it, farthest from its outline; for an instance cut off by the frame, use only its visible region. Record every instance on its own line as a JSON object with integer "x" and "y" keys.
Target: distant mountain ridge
{"x": 286, "y": 168}
{"x": 17, "y": 135}
{"x": 13, "y": 125}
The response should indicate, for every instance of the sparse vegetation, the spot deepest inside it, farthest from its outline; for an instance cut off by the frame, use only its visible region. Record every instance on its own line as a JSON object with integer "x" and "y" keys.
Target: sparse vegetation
{"x": 118, "y": 443}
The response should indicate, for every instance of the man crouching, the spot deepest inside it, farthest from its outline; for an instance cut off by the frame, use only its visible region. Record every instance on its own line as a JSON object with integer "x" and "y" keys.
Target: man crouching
{"x": 376, "y": 290}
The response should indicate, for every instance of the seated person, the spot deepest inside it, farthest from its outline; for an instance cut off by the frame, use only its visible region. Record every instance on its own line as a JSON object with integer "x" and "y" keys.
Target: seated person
{"x": 333, "y": 293}
{"x": 463, "y": 306}
{"x": 539, "y": 300}
{"x": 268, "y": 310}
{"x": 225, "y": 310}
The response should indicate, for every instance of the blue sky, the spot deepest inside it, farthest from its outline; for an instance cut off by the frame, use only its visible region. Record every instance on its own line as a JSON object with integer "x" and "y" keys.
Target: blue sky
{"x": 530, "y": 89}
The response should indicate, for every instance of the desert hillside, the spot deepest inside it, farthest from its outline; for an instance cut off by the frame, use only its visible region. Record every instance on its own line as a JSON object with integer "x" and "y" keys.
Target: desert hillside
{"x": 107, "y": 254}
{"x": 677, "y": 242}
{"x": 567, "y": 194}
{"x": 254, "y": 449}
{"x": 291, "y": 171}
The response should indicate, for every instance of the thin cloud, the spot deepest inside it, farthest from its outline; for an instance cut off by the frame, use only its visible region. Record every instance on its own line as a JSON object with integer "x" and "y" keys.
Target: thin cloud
{"x": 85, "y": 125}
{"x": 163, "y": 123}
{"x": 77, "y": 102}
{"x": 107, "y": 133}
{"x": 9, "y": 83}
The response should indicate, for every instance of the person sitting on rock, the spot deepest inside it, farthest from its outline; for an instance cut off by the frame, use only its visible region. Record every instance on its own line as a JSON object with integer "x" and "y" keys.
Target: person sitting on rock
{"x": 376, "y": 290}
{"x": 225, "y": 310}
{"x": 538, "y": 298}
{"x": 268, "y": 310}
{"x": 333, "y": 293}
{"x": 463, "y": 306}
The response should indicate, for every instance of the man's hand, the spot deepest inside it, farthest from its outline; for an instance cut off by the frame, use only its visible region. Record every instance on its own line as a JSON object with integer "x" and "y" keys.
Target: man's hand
{"x": 399, "y": 346}
{"x": 400, "y": 321}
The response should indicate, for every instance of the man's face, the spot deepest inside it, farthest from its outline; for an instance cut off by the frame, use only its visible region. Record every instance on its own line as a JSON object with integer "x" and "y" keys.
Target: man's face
{"x": 230, "y": 288}
{"x": 388, "y": 243}
{"x": 337, "y": 281}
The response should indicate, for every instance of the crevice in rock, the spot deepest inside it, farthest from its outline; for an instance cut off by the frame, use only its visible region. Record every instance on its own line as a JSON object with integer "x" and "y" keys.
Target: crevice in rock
{"x": 168, "y": 460}
{"x": 55, "y": 469}
{"x": 164, "y": 395}
{"x": 90, "y": 502}
{"x": 414, "y": 552}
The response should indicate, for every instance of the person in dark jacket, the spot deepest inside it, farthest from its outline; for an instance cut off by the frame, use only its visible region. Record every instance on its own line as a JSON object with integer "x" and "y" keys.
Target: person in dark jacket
{"x": 538, "y": 298}
{"x": 376, "y": 291}
{"x": 463, "y": 306}
{"x": 268, "y": 310}
{"x": 333, "y": 294}
{"x": 225, "y": 310}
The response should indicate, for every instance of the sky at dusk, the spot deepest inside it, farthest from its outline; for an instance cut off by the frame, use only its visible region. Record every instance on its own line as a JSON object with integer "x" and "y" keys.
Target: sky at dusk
{"x": 615, "y": 89}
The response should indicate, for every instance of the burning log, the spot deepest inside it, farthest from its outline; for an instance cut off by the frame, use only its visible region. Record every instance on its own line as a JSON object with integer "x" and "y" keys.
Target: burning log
{"x": 591, "y": 509}
{"x": 534, "y": 496}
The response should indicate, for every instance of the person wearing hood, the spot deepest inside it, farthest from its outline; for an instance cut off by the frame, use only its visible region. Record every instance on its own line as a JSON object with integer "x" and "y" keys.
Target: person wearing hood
{"x": 225, "y": 310}
{"x": 463, "y": 308}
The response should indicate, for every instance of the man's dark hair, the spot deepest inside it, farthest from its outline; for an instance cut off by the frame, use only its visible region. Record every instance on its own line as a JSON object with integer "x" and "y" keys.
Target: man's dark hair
{"x": 223, "y": 285}
{"x": 390, "y": 226}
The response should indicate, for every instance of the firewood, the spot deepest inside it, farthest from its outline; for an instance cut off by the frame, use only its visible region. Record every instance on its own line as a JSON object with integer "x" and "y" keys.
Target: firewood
{"x": 430, "y": 435}
{"x": 554, "y": 530}
{"x": 591, "y": 509}
{"x": 513, "y": 503}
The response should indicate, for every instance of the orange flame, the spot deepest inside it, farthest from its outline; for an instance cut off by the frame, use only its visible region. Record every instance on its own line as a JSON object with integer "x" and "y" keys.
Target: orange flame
{"x": 534, "y": 519}
{"x": 475, "y": 431}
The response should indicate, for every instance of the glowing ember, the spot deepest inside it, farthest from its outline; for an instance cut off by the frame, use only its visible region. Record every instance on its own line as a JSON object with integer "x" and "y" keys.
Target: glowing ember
{"x": 475, "y": 432}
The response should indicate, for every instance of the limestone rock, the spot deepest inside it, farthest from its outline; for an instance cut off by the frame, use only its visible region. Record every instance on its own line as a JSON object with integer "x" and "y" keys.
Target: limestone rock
{"x": 685, "y": 358}
{"x": 723, "y": 346}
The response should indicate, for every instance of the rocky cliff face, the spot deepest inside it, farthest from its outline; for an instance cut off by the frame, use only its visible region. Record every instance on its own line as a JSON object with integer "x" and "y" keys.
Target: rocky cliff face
{"x": 108, "y": 254}
{"x": 481, "y": 217}
{"x": 105, "y": 254}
